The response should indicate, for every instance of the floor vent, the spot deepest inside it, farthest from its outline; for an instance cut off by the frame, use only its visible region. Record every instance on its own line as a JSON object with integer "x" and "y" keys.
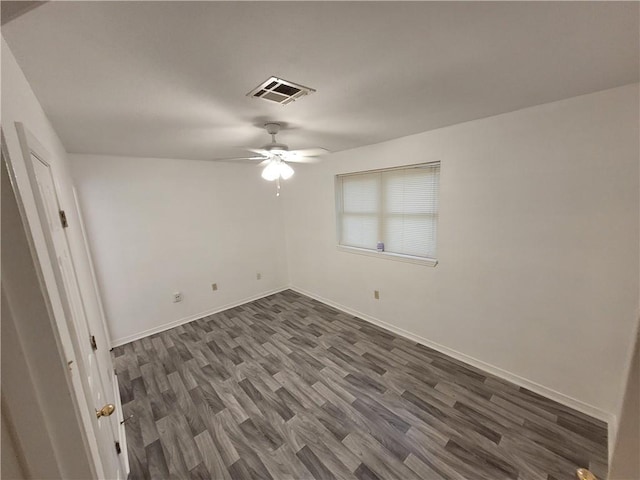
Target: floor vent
{"x": 279, "y": 91}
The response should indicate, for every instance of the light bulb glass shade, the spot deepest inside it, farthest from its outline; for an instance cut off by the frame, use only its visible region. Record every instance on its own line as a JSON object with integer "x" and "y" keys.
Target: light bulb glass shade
{"x": 271, "y": 171}
{"x": 285, "y": 170}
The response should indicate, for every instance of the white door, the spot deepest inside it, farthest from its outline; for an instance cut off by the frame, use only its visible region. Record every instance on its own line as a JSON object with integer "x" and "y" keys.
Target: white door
{"x": 98, "y": 326}
{"x": 91, "y": 375}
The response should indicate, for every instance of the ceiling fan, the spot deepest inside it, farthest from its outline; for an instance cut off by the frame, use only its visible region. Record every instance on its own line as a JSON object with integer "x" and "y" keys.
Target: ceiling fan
{"x": 275, "y": 157}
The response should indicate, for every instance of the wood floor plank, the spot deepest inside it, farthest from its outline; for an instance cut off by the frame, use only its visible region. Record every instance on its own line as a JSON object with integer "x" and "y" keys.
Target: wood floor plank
{"x": 156, "y": 461}
{"x": 320, "y": 440}
{"x": 213, "y": 462}
{"x": 288, "y": 388}
{"x": 283, "y": 464}
{"x": 317, "y": 467}
{"x": 171, "y": 447}
{"x": 426, "y": 471}
{"x": 219, "y": 436}
{"x": 377, "y": 457}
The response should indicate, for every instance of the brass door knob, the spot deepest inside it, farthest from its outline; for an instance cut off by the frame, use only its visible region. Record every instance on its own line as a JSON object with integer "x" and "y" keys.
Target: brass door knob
{"x": 105, "y": 411}
{"x": 584, "y": 474}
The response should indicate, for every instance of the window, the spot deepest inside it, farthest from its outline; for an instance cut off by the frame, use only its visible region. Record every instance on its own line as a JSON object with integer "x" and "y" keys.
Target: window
{"x": 392, "y": 212}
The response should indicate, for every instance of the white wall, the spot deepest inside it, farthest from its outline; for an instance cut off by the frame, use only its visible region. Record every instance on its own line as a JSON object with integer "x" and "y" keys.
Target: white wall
{"x": 538, "y": 240}
{"x": 11, "y": 462}
{"x": 158, "y": 225}
{"x": 537, "y": 243}
{"x": 35, "y": 378}
{"x": 19, "y": 104}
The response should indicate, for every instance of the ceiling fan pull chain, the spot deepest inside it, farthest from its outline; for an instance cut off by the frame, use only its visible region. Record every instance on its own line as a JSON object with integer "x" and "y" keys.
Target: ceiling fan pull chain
{"x": 278, "y": 187}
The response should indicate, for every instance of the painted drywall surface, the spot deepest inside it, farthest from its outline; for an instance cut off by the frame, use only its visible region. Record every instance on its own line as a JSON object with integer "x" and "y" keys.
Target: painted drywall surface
{"x": 32, "y": 323}
{"x": 19, "y": 104}
{"x": 537, "y": 242}
{"x": 11, "y": 464}
{"x": 20, "y": 406}
{"x": 159, "y": 226}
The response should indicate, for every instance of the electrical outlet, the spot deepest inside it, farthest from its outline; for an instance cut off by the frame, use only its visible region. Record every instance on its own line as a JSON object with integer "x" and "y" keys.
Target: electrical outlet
{"x": 177, "y": 297}
{"x": 258, "y": 276}
{"x": 214, "y": 286}
{"x": 376, "y": 294}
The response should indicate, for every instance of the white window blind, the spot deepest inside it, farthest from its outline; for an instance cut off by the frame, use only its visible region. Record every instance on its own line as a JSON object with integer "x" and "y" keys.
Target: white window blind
{"x": 398, "y": 207}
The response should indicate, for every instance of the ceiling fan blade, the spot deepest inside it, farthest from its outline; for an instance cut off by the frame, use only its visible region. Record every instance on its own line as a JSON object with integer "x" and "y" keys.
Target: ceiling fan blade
{"x": 310, "y": 152}
{"x": 240, "y": 159}
{"x": 307, "y": 155}
{"x": 259, "y": 151}
{"x": 300, "y": 159}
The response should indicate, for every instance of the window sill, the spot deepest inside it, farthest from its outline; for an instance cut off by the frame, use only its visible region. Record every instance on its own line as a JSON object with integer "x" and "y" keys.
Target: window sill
{"x": 429, "y": 262}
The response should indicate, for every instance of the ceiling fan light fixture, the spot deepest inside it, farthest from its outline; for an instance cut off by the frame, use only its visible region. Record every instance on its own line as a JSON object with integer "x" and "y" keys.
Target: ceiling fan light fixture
{"x": 271, "y": 172}
{"x": 275, "y": 169}
{"x": 286, "y": 171}
{"x": 274, "y": 157}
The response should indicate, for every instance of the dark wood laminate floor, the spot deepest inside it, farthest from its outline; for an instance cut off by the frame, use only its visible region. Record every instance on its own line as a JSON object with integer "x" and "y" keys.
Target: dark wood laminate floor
{"x": 288, "y": 388}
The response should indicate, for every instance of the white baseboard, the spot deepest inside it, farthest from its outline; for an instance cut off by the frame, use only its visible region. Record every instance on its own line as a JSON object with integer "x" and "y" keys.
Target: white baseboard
{"x": 191, "y": 318}
{"x": 566, "y": 400}
{"x": 615, "y": 426}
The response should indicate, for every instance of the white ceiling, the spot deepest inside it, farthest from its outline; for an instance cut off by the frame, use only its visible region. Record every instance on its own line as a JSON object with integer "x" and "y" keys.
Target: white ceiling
{"x": 168, "y": 79}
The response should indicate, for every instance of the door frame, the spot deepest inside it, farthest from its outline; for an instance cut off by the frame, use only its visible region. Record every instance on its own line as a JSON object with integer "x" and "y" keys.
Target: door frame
{"x": 34, "y": 376}
{"x": 31, "y": 209}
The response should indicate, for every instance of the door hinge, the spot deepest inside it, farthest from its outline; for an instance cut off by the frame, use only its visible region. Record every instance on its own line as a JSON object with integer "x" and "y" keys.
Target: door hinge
{"x": 93, "y": 343}
{"x": 63, "y": 219}
{"x": 118, "y": 449}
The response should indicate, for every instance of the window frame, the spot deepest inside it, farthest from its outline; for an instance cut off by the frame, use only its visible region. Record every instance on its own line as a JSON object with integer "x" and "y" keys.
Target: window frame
{"x": 339, "y": 211}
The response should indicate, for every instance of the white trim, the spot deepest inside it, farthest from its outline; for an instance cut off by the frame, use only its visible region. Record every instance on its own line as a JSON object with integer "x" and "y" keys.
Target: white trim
{"x": 612, "y": 435}
{"x": 547, "y": 392}
{"x": 390, "y": 169}
{"x": 122, "y": 437}
{"x": 566, "y": 400}
{"x": 92, "y": 270}
{"x": 181, "y": 321}
{"x": 615, "y": 426}
{"x": 32, "y": 211}
{"x": 430, "y": 262}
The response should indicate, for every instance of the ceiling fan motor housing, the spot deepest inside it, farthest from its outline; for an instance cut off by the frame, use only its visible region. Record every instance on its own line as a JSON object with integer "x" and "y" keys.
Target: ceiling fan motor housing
{"x": 272, "y": 128}
{"x": 276, "y": 148}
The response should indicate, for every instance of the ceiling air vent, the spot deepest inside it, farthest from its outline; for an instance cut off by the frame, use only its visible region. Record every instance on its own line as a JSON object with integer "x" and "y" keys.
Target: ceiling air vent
{"x": 279, "y": 91}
